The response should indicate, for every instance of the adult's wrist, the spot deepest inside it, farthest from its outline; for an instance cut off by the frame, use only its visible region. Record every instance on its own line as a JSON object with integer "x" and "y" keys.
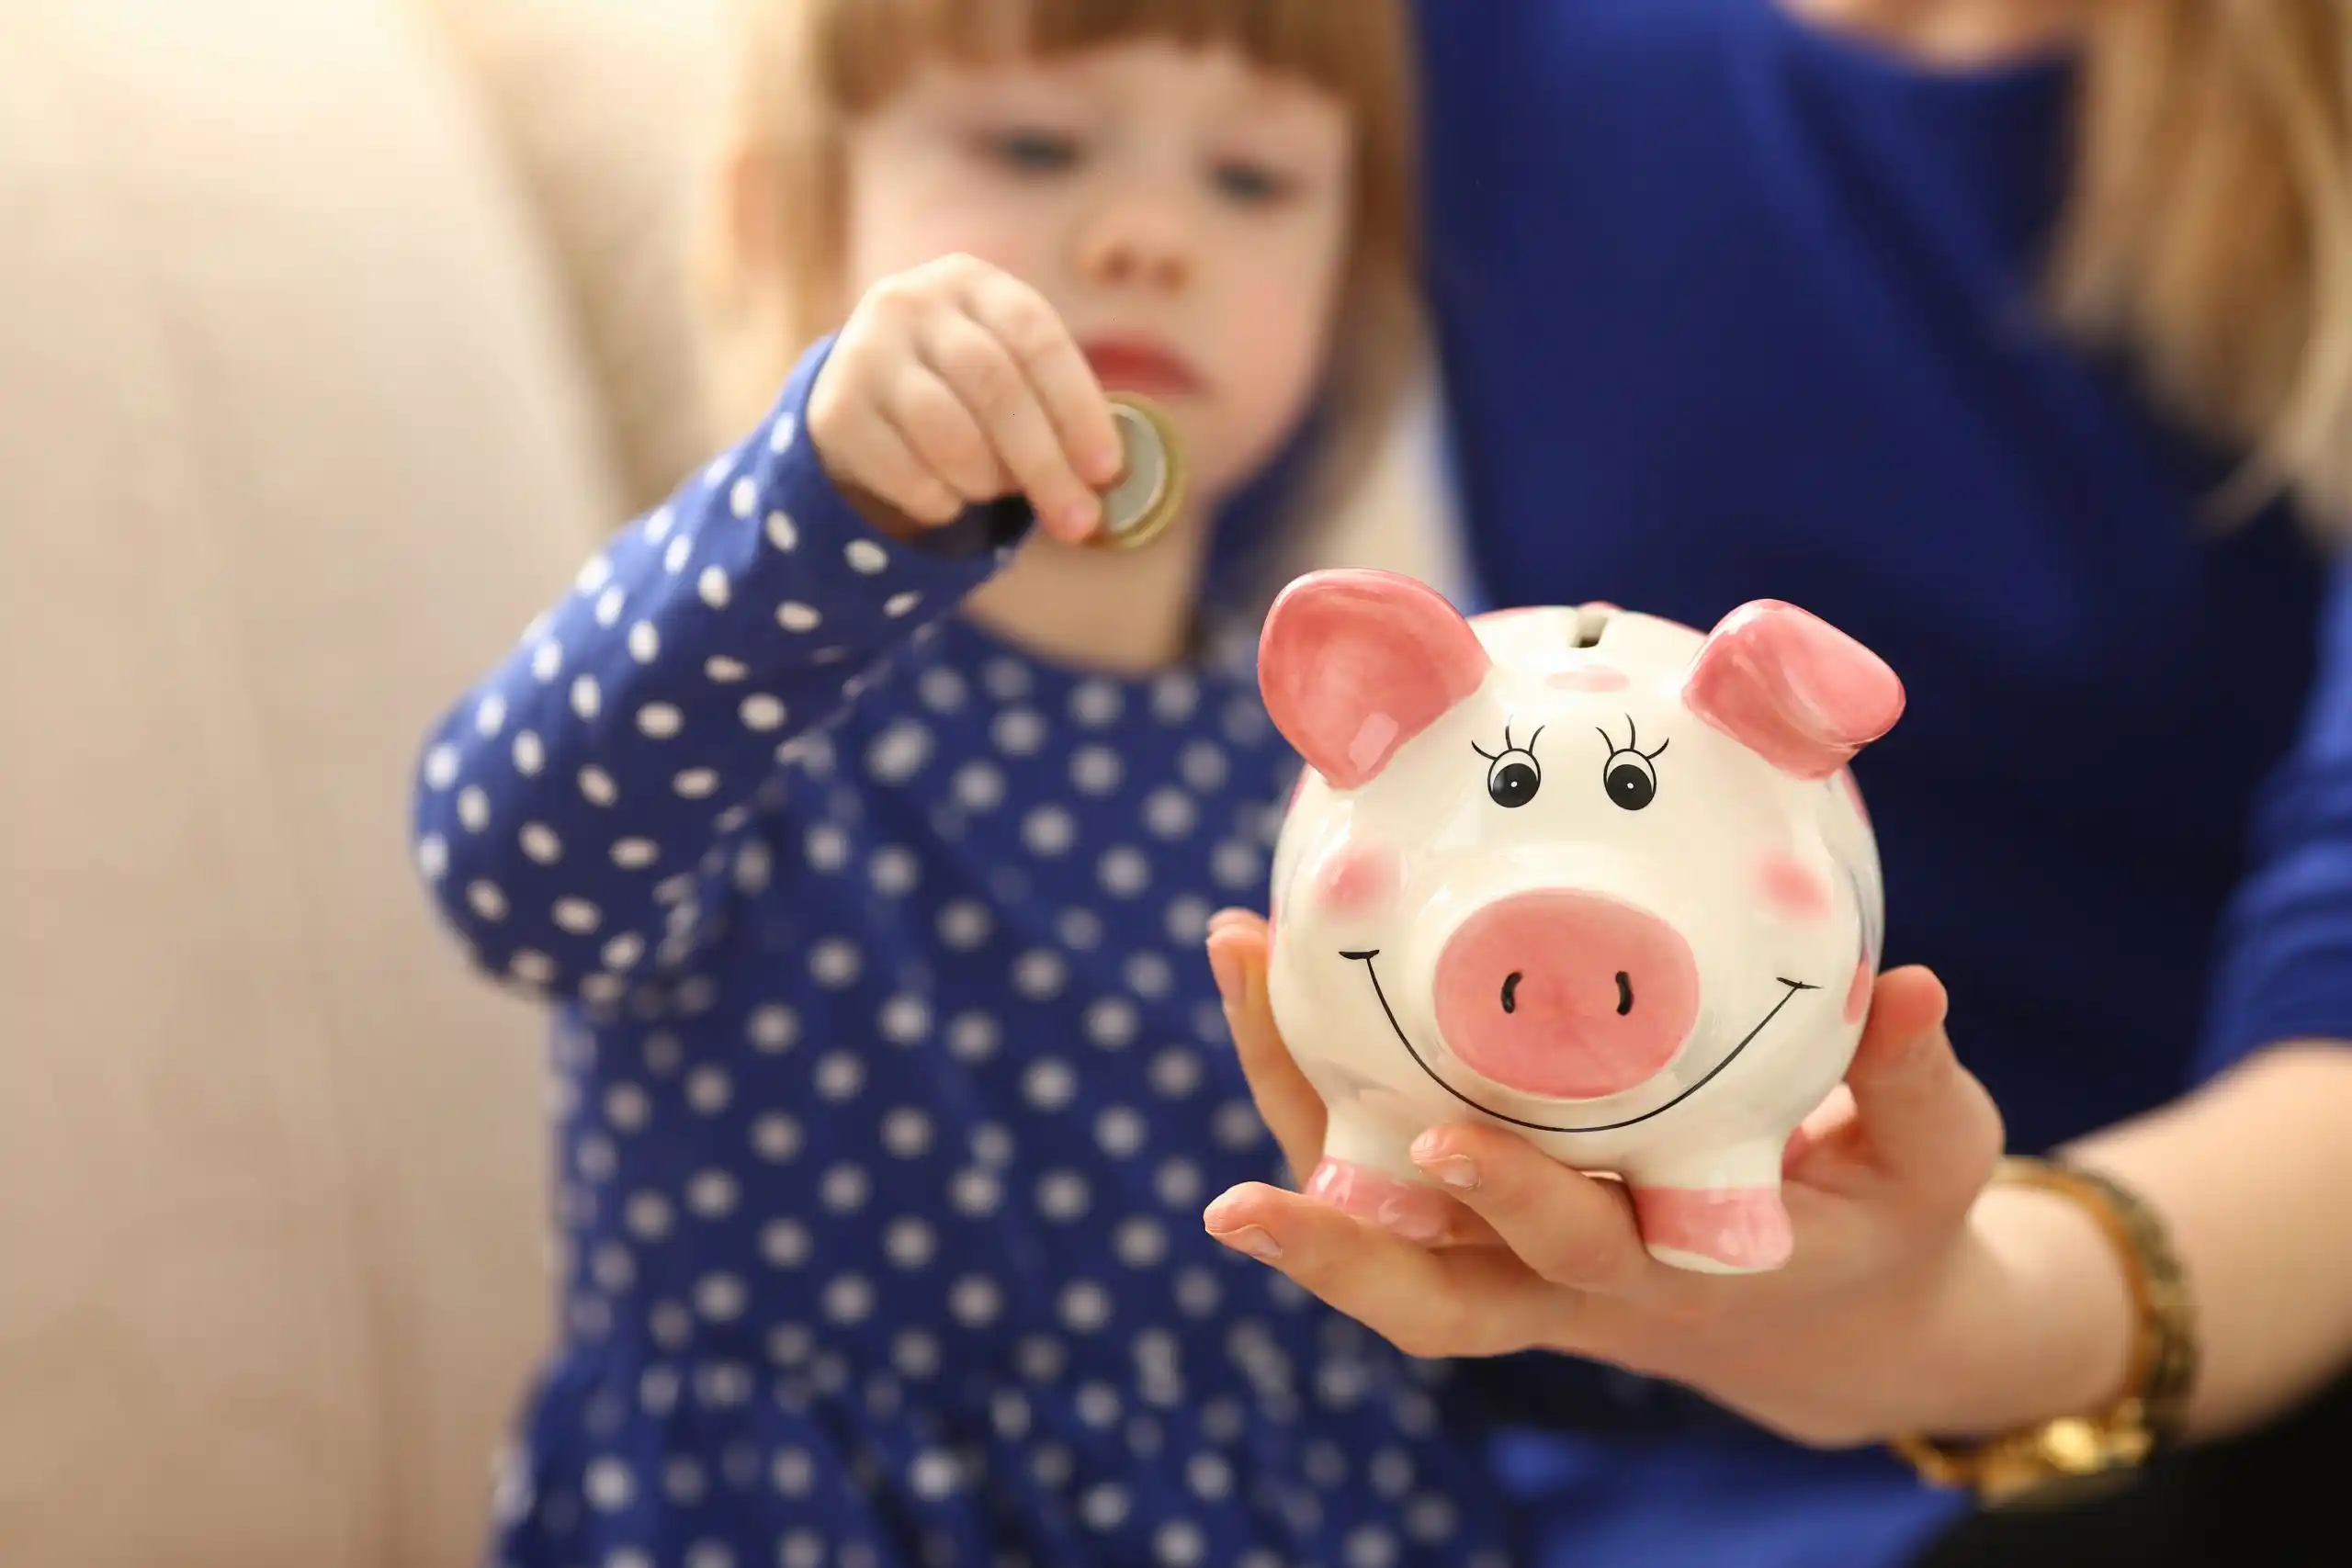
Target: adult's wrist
{"x": 2048, "y": 1330}
{"x": 2069, "y": 1394}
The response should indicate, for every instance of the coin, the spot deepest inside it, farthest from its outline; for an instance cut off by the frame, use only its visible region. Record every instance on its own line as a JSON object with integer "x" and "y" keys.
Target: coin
{"x": 1150, "y": 488}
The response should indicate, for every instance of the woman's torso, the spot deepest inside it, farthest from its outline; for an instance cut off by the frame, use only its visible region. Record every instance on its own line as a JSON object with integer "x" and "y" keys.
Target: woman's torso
{"x": 1730, "y": 309}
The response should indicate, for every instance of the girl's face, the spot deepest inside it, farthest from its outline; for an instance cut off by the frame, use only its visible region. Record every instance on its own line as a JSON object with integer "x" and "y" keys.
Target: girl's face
{"x": 1185, "y": 212}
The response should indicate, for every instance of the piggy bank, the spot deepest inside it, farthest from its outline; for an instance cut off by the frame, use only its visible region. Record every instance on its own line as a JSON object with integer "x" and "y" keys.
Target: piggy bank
{"x": 1581, "y": 873}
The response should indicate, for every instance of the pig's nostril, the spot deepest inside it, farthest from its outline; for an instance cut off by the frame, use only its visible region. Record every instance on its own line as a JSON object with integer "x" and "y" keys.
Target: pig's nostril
{"x": 1624, "y": 992}
{"x": 1510, "y": 993}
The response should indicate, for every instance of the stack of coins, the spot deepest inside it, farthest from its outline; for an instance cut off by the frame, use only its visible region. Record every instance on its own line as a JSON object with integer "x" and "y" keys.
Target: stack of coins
{"x": 1139, "y": 508}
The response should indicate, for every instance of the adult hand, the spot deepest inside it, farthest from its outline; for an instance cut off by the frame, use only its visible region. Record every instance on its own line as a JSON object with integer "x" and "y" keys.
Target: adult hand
{"x": 1873, "y": 1321}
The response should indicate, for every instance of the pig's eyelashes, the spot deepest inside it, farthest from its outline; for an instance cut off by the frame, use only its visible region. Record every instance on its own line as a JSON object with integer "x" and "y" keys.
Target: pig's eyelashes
{"x": 1527, "y": 747}
{"x": 1633, "y": 741}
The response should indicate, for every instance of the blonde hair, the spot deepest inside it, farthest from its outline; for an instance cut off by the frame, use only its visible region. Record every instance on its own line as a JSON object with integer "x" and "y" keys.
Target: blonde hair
{"x": 767, "y": 254}
{"x": 2209, "y": 230}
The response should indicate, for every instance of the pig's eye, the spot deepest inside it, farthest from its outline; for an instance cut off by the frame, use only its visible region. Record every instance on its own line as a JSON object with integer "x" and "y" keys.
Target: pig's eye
{"x": 1630, "y": 775}
{"x": 1631, "y": 781}
{"x": 1512, "y": 773}
{"x": 1514, "y": 779}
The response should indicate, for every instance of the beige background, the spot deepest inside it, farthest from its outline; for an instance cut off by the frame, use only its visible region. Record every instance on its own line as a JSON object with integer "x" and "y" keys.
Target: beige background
{"x": 331, "y": 333}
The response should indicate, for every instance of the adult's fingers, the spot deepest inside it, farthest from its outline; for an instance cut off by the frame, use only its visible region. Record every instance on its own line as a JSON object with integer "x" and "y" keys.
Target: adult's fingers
{"x": 1566, "y": 1226}
{"x": 1293, "y": 1110}
{"x": 1923, "y": 1121}
{"x": 1456, "y": 1301}
{"x": 1822, "y": 1129}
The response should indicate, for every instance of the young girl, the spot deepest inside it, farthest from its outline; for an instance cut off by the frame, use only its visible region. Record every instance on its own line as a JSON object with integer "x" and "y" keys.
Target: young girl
{"x": 863, "y": 825}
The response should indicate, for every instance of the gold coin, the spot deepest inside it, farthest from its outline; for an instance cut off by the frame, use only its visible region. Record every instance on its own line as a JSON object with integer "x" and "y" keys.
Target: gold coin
{"x": 1150, "y": 488}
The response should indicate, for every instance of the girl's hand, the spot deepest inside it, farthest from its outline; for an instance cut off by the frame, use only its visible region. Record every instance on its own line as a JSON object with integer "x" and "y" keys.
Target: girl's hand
{"x": 1869, "y": 1329}
{"x": 954, "y": 383}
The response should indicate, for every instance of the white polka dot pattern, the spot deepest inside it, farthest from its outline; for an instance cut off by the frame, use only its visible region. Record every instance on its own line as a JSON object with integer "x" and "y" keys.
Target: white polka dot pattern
{"x": 897, "y": 1081}
{"x": 623, "y": 691}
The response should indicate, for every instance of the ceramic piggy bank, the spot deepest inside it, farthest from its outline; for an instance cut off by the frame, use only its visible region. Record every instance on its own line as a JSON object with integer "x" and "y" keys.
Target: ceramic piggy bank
{"x": 1577, "y": 872}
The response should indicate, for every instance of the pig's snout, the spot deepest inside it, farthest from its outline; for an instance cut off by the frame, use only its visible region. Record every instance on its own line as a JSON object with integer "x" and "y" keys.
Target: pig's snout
{"x": 1565, "y": 994}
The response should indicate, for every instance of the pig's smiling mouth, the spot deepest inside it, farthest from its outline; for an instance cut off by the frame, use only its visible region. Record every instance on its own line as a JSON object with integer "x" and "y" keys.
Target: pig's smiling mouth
{"x": 1366, "y": 957}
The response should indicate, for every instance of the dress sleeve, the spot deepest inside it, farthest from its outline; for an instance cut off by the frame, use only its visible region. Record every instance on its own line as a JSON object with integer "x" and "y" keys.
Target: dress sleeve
{"x": 562, "y": 804}
{"x": 2284, "y": 968}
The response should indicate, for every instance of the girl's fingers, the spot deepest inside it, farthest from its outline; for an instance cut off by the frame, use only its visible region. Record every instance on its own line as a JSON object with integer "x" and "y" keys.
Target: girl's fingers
{"x": 977, "y": 366}
{"x": 1064, "y": 383}
{"x": 984, "y": 386}
{"x": 874, "y": 456}
{"x": 942, "y": 433}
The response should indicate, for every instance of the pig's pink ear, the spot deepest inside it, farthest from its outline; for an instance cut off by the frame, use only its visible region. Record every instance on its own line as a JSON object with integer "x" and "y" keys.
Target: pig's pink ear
{"x": 1355, "y": 663}
{"x": 1793, "y": 688}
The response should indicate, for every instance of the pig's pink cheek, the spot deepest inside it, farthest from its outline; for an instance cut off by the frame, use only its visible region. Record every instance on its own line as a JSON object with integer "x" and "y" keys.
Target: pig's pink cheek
{"x": 1358, "y": 880}
{"x": 1857, "y": 995}
{"x": 1787, "y": 886}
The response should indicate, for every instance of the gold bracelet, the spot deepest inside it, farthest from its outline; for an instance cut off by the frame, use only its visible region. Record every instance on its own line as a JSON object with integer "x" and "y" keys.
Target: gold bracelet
{"x": 2065, "y": 1453}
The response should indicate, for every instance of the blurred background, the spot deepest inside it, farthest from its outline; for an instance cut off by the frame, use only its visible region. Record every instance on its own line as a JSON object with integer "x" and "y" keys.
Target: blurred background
{"x": 332, "y": 334}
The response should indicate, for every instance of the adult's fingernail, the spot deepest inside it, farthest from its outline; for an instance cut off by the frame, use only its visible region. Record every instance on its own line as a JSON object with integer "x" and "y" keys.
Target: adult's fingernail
{"x": 1427, "y": 1151}
{"x": 1255, "y": 1240}
{"x": 1454, "y": 1171}
{"x": 1227, "y": 917}
{"x": 1080, "y": 517}
{"x": 1413, "y": 1221}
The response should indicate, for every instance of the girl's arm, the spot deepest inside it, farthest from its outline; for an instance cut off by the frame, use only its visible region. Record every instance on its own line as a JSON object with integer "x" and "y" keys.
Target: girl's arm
{"x": 565, "y": 804}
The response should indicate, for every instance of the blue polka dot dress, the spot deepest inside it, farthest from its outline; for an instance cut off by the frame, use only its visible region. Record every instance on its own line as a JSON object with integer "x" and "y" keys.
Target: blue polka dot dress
{"x": 891, "y": 1079}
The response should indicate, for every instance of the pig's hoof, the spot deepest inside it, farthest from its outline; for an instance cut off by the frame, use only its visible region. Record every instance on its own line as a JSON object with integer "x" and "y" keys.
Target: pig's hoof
{"x": 1408, "y": 1209}
{"x": 1715, "y": 1230}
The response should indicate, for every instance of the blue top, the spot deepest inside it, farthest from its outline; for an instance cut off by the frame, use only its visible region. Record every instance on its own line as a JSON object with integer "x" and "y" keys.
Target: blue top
{"x": 1732, "y": 309}
{"x": 892, "y": 1078}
